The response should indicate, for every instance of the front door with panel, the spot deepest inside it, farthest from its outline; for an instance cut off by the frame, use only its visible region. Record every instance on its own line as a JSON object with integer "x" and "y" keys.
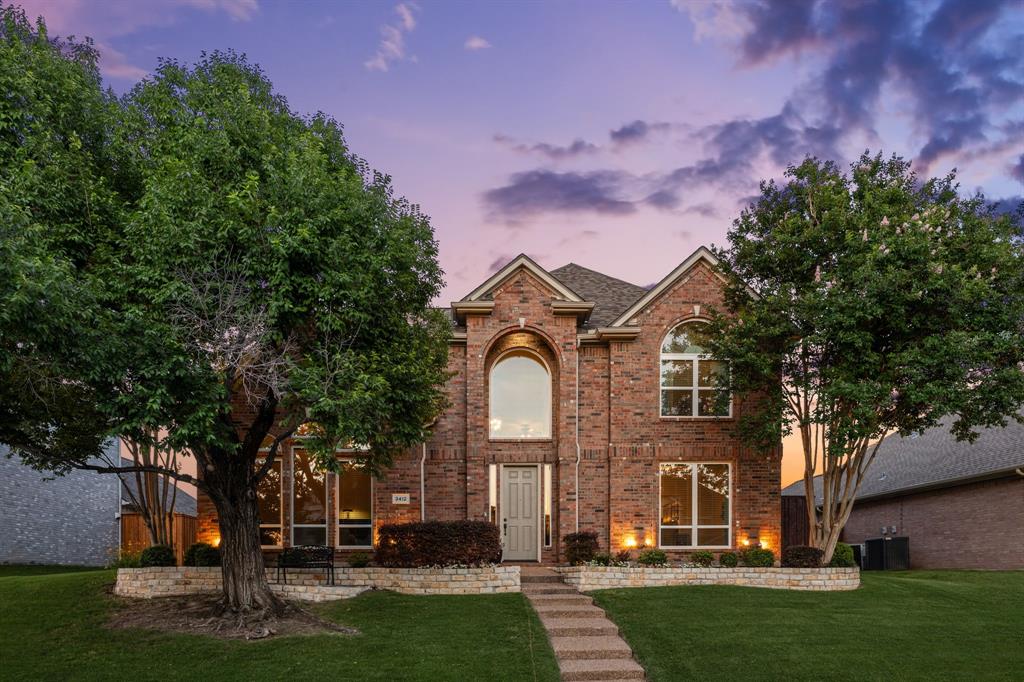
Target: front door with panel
{"x": 519, "y": 490}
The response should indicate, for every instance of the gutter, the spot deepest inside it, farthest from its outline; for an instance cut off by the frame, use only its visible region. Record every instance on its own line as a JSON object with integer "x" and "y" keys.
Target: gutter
{"x": 423, "y": 485}
{"x": 934, "y": 485}
{"x": 577, "y": 436}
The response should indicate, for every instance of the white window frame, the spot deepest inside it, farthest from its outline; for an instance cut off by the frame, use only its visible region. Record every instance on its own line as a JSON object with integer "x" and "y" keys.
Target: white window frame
{"x": 280, "y": 512}
{"x": 694, "y": 389}
{"x": 695, "y": 526}
{"x": 337, "y": 510}
{"x": 547, "y": 396}
{"x": 291, "y": 501}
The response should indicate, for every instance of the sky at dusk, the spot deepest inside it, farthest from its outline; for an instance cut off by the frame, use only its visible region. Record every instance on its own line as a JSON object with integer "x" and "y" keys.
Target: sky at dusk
{"x": 617, "y": 135}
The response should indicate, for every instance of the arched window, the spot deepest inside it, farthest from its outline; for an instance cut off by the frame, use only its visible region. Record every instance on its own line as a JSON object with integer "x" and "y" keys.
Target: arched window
{"x": 689, "y": 378}
{"x": 520, "y": 397}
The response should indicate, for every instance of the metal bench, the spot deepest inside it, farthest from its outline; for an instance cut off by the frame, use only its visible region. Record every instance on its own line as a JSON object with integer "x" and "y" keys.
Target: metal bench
{"x": 305, "y": 556}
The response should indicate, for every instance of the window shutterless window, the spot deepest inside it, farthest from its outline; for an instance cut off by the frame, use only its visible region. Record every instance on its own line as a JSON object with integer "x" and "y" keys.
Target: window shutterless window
{"x": 696, "y": 505}
{"x": 689, "y": 379}
{"x": 309, "y": 501}
{"x": 355, "y": 507}
{"x": 268, "y": 499}
{"x": 520, "y": 396}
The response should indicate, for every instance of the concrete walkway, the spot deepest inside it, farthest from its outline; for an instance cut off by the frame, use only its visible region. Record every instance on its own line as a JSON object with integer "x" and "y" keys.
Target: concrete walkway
{"x": 587, "y": 644}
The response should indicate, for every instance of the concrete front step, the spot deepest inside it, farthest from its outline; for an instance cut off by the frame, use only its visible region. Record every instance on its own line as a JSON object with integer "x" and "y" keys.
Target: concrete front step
{"x": 579, "y": 627}
{"x": 539, "y": 578}
{"x": 574, "y": 670}
{"x": 548, "y": 588}
{"x": 601, "y": 647}
{"x": 568, "y": 610}
{"x": 559, "y": 598}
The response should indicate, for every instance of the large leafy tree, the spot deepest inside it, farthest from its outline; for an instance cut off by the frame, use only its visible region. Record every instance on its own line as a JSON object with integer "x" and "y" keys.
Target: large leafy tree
{"x": 195, "y": 260}
{"x": 867, "y": 303}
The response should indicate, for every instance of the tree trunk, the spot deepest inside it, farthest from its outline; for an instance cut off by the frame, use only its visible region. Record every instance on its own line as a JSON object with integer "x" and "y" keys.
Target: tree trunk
{"x": 245, "y": 583}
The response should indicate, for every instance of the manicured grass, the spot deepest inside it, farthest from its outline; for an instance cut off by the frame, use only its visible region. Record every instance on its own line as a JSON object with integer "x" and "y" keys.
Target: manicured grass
{"x": 51, "y": 628}
{"x": 951, "y": 625}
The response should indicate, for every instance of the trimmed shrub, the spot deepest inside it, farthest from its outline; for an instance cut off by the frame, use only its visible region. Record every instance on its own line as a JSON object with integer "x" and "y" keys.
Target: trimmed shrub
{"x": 157, "y": 555}
{"x": 652, "y": 557}
{"x": 802, "y": 556}
{"x": 728, "y": 559}
{"x": 602, "y": 559}
{"x": 359, "y": 560}
{"x": 580, "y": 547}
{"x": 702, "y": 558}
{"x": 624, "y": 556}
{"x": 127, "y": 559}
{"x": 842, "y": 557}
{"x": 757, "y": 558}
{"x": 438, "y": 543}
{"x": 202, "y": 554}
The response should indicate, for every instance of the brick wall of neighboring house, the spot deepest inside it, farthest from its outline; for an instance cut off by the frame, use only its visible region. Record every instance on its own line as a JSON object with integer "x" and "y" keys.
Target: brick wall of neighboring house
{"x": 977, "y": 525}
{"x": 621, "y": 435}
{"x": 49, "y": 519}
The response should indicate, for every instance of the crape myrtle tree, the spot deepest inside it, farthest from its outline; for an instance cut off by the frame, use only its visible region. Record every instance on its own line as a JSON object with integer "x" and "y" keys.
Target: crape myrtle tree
{"x": 195, "y": 260}
{"x": 883, "y": 304}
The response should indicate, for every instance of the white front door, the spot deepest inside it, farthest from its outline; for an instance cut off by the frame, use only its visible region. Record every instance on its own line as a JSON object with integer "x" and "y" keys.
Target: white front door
{"x": 519, "y": 489}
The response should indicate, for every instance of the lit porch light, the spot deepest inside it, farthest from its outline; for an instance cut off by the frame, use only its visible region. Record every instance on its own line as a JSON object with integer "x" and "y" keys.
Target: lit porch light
{"x": 630, "y": 542}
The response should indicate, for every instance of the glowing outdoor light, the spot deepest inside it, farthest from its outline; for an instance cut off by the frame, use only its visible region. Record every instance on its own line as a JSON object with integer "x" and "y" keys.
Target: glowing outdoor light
{"x": 630, "y": 542}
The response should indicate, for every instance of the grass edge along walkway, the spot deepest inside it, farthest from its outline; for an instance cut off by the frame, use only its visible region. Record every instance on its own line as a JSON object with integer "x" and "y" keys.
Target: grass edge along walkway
{"x": 900, "y": 625}
{"x": 52, "y": 626}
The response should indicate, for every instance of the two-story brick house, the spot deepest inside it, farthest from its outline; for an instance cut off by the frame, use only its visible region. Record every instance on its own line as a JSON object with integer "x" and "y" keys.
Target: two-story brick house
{"x": 577, "y": 402}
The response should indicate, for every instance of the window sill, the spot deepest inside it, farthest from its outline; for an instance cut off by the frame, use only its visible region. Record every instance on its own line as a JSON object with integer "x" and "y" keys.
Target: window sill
{"x": 723, "y": 418}
{"x": 520, "y": 440}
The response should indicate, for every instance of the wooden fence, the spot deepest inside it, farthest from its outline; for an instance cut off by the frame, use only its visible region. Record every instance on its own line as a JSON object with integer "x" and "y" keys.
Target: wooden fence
{"x": 135, "y": 535}
{"x": 795, "y": 528}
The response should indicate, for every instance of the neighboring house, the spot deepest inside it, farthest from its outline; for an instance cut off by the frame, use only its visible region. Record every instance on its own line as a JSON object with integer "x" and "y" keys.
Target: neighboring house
{"x": 48, "y": 519}
{"x": 577, "y": 401}
{"x": 72, "y": 519}
{"x": 961, "y": 504}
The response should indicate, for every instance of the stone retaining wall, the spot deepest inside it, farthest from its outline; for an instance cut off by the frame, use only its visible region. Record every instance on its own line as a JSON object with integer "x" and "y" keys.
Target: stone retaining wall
{"x": 587, "y": 578}
{"x": 311, "y": 584}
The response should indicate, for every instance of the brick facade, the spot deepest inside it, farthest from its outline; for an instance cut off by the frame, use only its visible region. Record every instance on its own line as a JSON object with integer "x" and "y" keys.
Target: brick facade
{"x": 976, "y": 525}
{"x": 622, "y": 437}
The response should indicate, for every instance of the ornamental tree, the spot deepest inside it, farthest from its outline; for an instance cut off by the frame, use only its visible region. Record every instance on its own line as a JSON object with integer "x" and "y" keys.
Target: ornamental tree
{"x": 867, "y": 303}
{"x": 197, "y": 261}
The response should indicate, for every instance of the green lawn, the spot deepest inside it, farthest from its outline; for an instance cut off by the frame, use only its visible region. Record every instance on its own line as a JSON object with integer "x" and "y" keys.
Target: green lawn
{"x": 948, "y": 625}
{"x": 51, "y": 628}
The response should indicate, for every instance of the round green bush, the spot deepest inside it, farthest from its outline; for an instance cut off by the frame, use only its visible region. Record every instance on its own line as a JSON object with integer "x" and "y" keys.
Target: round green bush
{"x": 703, "y": 558}
{"x": 652, "y": 557}
{"x": 757, "y": 558}
{"x": 157, "y": 555}
{"x": 202, "y": 554}
{"x": 802, "y": 556}
{"x": 842, "y": 557}
{"x": 728, "y": 559}
{"x": 602, "y": 559}
{"x": 359, "y": 560}
{"x": 580, "y": 547}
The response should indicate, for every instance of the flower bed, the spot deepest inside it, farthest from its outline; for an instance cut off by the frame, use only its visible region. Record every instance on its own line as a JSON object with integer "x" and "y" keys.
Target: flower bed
{"x": 587, "y": 578}
{"x": 311, "y": 584}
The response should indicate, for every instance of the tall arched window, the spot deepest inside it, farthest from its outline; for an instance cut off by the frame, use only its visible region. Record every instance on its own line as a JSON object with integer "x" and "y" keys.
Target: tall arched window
{"x": 520, "y": 397}
{"x": 689, "y": 378}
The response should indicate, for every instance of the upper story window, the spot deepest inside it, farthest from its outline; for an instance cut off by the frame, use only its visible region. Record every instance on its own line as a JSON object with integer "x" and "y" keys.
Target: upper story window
{"x": 520, "y": 397}
{"x": 689, "y": 378}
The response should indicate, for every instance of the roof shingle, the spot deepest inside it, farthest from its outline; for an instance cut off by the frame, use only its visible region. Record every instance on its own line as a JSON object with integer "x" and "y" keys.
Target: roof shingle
{"x": 935, "y": 458}
{"x": 610, "y": 296}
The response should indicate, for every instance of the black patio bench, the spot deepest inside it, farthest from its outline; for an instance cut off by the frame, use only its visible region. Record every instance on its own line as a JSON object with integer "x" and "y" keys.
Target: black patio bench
{"x": 305, "y": 556}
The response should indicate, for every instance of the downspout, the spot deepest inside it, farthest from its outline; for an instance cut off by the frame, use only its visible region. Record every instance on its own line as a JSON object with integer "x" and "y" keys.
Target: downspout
{"x": 423, "y": 484}
{"x": 577, "y": 435}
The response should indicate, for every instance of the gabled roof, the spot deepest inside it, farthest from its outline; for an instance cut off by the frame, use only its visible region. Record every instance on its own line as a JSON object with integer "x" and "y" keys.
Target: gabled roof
{"x": 513, "y": 266}
{"x": 935, "y": 459}
{"x": 610, "y": 295}
{"x": 701, "y": 254}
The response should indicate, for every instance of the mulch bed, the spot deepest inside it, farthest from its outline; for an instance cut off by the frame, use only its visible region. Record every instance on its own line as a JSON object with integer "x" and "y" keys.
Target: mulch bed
{"x": 201, "y": 614}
